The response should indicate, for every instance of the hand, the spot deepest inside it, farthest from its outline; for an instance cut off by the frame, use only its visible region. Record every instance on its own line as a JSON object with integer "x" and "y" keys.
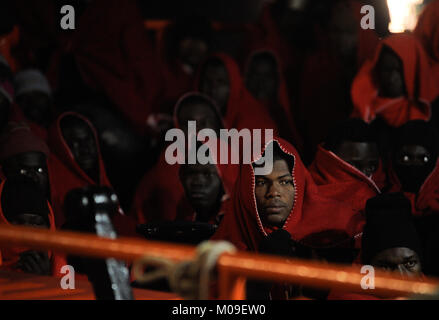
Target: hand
{"x": 34, "y": 262}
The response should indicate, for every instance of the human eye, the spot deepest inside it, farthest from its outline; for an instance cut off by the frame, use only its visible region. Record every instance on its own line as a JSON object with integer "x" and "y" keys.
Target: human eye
{"x": 410, "y": 264}
{"x": 426, "y": 159}
{"x": 23, "y": 171}
{"x": 40, "y": 170}
{"x": 286, "y": 182}
{"x": 260, "y": 182}
{"x": 405, "y": 158}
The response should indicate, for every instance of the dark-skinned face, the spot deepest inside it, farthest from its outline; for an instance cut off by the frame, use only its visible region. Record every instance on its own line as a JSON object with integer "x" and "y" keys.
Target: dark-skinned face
{"x": 192, "y": 51}
{"x": 275, "y": 195}
{"x": 390, "y": 75}
{"x": 36, "y": 107}
{"x": 403, "y": 260}
{"x": 262, "y": 79}
{"x": 29, "y": 164}
{"x": 362, "y": 155}
{"x": 413, "y": 164}
{"x": 203, "y": 187}
{"x": 215, "y": 83}
{"x": 203, "y": 114}
{"x": 82, "y": 143}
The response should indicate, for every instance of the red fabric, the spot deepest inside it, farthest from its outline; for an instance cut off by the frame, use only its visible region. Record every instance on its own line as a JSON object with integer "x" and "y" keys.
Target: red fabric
{"x": 66, "y": 175}
{"x": 282, "y": 98}
{"x": 315, "y": 219}
{"x": 341, "y": 181}
{"x": 7, "y": 44}
{"x": 419, "y": 83}
{"x": 243, "y": 111}
{"x": 427, "y": 31}
{"x": 118, "y": 59}
{"x": 10, "y": 256}
{"x": 426, "y": 201}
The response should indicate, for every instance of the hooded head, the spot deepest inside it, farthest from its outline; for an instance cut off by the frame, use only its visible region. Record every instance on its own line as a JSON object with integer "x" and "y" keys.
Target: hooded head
{"x": 414, "y": 154}
{"x": 427, "y": 29}
{"x": 74, "y": 140}
{"x": 24, "y": 154}
{"x": 355, "y": 142}
{"x": 390, "y": 240}
{"x": 33, "y": 94}
{"x": 286, "y": 198}
{"x": 197, "y": 107}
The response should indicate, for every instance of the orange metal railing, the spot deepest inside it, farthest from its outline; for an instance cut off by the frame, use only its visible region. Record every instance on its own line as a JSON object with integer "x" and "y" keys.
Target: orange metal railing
{"x": 233, "y": 268}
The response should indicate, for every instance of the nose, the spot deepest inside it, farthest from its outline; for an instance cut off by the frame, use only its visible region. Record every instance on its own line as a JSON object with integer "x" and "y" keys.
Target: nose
{"x": 273, "y": 191}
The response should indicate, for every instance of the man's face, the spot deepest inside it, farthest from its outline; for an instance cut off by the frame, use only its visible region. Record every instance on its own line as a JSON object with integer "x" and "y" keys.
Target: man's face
{"x": 192, "y": 51}
{"x": 30, "y": 220}
{"x": 203, "y": 114}
{"x": 29, "y": 164}
{"x": 275, "y": 194}
{"x": 202, "y": 186}
{"x": 82, "y": 143}
{"x": 262, "y": 79}
{"x": 36, "y": 107}
{"x": 413, "y": 164}
{"x": 215, "y": 83}
{"x": 390, "y": 74}
{"x": 362, "y": 155}
{"x": 404, "y": 260}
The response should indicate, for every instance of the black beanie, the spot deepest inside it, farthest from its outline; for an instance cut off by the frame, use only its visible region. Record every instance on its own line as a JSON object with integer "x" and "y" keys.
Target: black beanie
{"x": 22, "y": 195}
{"x": 389, "y": 225}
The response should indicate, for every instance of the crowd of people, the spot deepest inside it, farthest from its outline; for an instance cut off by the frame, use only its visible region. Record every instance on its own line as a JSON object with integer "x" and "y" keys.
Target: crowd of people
{"x": 355, "y": 176}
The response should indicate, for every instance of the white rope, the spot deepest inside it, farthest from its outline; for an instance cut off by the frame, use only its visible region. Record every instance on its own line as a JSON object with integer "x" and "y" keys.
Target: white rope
{"x": 190, "y": 279}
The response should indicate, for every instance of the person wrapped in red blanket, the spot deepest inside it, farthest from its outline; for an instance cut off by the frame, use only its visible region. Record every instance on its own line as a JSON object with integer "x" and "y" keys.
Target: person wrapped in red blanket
{"x": 397, "y": 85}
{"x": 285, "y": 209}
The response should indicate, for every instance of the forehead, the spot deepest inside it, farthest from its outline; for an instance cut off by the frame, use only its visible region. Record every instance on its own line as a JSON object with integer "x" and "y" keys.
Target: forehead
{"x": 31, "y": 158}
{"x": 265, "y": 61}
{"x": 78, "y": 129}
{"x": 358, "y": 149}
{"x": 190, "y": 110}
{"x": 195, "y": 168}
{"x": 280, "y": 168}
{"x": 215, "y": 70}
{"x": 395, "y": 255}
{"x": 413, "y": 149}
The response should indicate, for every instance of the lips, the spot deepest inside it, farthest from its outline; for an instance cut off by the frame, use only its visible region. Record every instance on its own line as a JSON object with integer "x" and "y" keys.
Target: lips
{"x": 197, "y": 195}
{"x": 276, "y": 209}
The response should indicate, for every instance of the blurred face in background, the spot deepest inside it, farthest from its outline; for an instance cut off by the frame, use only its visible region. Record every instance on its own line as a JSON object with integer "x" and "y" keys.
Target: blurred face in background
{"x": 202, "y": 113}
{"x": 343, "y": 33}
{"x": 262, "y": 78}
{"x": 402, "y": 260}
{"x": 215, "y": 83}
{"x": 390, "y": 74}
{"x": 192, "y": 51}
{"x": 36, "y": 107}
{"x": 29, "y": 164}
{"x": 362, "y": 155}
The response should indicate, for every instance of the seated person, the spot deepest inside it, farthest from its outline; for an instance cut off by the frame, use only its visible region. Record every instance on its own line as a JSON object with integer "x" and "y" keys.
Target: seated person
{"x": 265, "y": 81}
{"x": 160, "y": 190}
{"x": 286, "y": 207}
{"x": 347, "y": 165}
{"x": 23, "y": 203}
{"x": 390, "y": 240}
{"x": 397, "y": 85}
{"x": 34, "y": 97}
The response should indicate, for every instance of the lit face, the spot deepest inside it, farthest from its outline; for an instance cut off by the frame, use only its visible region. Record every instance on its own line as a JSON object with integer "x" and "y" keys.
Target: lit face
{"x": 29, "y": 164}
{"x": 82, "y": 143}
{"x": 30, "y": 220}
{"x": 215, "y": 83}
{"x": 36, "y": 107}
{"x": 413, "y": 164}
{"x": 192, "y": 51}
{"x": 262, "y": 78}
{"x": 390, "y": 75}
{"x": 202, "y": 186}
{"x": 362, "y": 155}
{"x": 403, "y": 260}
{"x": 275, "y": 195}
{"x": 203, "y": 114}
